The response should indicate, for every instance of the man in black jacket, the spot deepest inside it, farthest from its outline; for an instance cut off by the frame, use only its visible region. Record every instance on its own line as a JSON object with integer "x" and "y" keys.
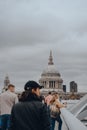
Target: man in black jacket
{"x": 30, "y": 113}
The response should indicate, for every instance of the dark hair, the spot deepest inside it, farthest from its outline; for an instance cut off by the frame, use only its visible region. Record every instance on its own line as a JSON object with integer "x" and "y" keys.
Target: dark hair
{"x": 11, "y": 85}
{"x": 27, "y": 95}
{"x": 49, "y": 93}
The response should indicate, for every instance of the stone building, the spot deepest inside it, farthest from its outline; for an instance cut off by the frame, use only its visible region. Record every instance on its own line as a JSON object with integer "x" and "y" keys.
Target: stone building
{"x": 73, "y": 86}
{"x": 64, "y": 88}
{"x": 50, "y": 77}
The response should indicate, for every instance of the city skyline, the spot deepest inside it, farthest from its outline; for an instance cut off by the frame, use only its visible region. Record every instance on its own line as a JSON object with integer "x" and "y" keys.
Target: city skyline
{"x": 30, "y": 29}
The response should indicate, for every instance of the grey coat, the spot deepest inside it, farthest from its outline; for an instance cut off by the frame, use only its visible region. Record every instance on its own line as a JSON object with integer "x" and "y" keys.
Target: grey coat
{"x": 7, "y": 100}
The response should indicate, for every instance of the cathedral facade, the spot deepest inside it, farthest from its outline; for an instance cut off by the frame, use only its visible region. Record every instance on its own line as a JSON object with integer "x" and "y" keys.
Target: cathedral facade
{"x": 50, "y": 77}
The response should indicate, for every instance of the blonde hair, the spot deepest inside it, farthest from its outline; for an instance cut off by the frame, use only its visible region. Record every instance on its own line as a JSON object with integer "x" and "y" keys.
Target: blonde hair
{"x": 53, "y": 99}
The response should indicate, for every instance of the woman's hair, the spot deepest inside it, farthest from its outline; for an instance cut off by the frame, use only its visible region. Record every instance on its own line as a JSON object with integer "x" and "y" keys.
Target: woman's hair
{"x": 53, "y": 100}
{"x": 27, "y": 95}
{"x": 55, "y": 96}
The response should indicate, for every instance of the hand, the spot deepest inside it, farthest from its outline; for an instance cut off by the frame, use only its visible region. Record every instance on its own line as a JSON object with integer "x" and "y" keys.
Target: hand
{"x": 65, "y": 104}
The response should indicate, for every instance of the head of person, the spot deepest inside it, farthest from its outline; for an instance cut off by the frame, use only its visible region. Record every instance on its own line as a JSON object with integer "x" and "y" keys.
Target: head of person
{"x": 49, "y": 93}
{"x": 53, "y": 99}
{"x": 56, "y": 96}
{"x": 11, "y": 87}
{"x": 33, "y": 87}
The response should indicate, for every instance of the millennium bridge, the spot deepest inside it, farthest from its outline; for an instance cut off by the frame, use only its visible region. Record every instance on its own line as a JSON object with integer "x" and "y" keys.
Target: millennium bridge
{"x": 75, "y": 117}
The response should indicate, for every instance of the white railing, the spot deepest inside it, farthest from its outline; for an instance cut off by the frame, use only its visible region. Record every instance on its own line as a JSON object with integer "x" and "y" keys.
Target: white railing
{"x": 71, "y": 121}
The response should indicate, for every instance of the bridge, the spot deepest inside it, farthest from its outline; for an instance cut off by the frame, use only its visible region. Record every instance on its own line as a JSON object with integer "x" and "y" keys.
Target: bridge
{"x": 75, "y": 118}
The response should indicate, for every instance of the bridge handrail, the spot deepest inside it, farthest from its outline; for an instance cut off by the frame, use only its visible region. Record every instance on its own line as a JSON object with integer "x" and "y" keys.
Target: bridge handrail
{"x": 71, "y": 121}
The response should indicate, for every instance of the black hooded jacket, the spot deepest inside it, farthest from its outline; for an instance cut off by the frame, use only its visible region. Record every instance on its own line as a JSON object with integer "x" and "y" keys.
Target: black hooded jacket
{"x": 30, "y": 114}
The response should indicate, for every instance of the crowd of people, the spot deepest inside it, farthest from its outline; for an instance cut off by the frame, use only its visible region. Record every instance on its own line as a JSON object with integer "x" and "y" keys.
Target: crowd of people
{"x": 32, "y": 111}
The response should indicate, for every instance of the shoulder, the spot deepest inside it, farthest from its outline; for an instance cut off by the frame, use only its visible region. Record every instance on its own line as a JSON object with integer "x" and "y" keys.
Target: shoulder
{"x": 37, "y": 103}
{"x": 13, "y": 94}
{"x": 2, "y": 94}
{"x": 17, "y": 105}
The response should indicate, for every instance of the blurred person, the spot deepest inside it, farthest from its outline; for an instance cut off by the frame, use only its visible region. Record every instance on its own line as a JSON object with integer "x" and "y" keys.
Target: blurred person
{"x": 55, "y": 106}
{"x": 30, "y": 113}
{"x": 48, "y": 98}
{"x": 7, "y": 100}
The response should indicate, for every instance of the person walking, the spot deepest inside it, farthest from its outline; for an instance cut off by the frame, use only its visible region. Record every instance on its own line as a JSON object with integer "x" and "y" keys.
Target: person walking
{"x": 7, "y": 100}
{"x": 30, "y": 113}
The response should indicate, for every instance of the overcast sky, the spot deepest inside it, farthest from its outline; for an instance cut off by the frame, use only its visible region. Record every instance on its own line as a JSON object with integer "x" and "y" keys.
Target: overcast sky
{"x": 29, "y": 29}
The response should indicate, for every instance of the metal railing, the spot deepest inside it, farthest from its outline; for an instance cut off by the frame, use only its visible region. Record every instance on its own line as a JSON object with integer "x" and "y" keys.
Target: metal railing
{"x": 71, "y": 121}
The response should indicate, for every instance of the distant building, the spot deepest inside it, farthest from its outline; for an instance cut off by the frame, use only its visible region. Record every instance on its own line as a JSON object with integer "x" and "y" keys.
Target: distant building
{"x": 6, "y": 83}
{"x": 50, "y": 77}
{"x": 73, "y": 87}
{"x": 64, "y": 88}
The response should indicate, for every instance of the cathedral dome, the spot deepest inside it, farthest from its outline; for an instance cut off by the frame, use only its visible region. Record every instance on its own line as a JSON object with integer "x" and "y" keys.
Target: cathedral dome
{"x": 50, "y": 77}
{"x": 51, "y": 70}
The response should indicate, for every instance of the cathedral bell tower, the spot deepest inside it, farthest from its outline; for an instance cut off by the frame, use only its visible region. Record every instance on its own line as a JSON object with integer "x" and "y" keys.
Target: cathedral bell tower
{"x": 6, "y": 83}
